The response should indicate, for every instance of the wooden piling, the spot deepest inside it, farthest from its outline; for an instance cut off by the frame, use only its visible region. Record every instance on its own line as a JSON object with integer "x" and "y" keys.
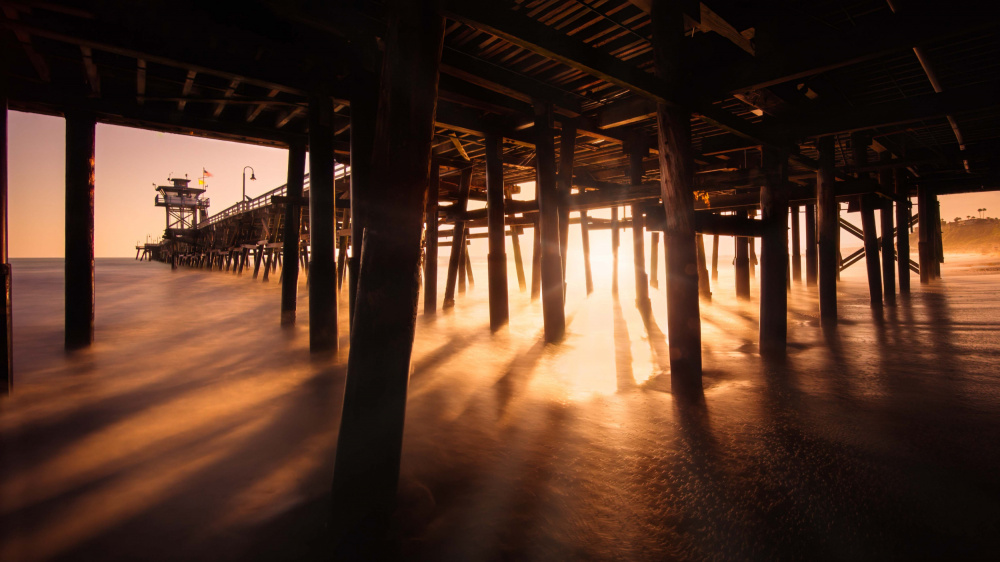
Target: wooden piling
{"x": 615, "y": 242}
{"x": 676, "y": 187}
{"x": 868, "y": 205}
{"x": 463, "y": 259}
{"x": 323, "y": 332}
{"x": 258, "y": 255}
{"x": 741, "y": 265}
{"x": 585, "y": 242}
{"x": 80, "y": 126}
{"x": 497, "y": 256}
{"x": 774, "y": 253}
{"x": 536, "y": 260}
{"x": 564, "y": 180}
{"x": 637, "y": 150}
{"x": 810, "y": 212}
{"x": 458, "y": 239}
{"x": 267, "y": 264}
{"x": 363, "y": 89}
{"x": 515, "y": 241}
{"x": 887, "y": 246}
{"x": 902, "y": 231}
{"x": 366, "y": 472}
{"x": 431, "y": 242}
{"x": 548, "y": 211}
{"x": 468, "y": 264}
{"x": 342, "y": 251}
{"x": 752, "y": 247}
{"x": 715, "y": 257}
{"x": 796, "y": 251}
{"x": 704, "y": 285}
{"x": 290, "y": 236}
{"x": 654, "y": 256}
{"x": 828, "y": 223}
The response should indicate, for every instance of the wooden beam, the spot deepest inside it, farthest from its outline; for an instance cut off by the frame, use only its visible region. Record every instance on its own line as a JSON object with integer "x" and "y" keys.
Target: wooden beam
{"x": 254, "y": 112}
{"x": 186, "y": 90}
{"x": 24, "y": 38}
{"x": 233, "y": 84}
{"x": 140, "y": 81}
{"x": 93, "y": 78}
{"x": 285, "y": 118}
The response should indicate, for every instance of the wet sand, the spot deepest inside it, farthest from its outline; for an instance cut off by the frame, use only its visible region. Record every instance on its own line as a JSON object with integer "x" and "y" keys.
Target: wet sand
{"x": 197, "y": 429}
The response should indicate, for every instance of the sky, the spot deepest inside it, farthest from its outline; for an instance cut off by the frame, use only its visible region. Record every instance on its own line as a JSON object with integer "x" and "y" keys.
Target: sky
{"x": 129, "y": 161}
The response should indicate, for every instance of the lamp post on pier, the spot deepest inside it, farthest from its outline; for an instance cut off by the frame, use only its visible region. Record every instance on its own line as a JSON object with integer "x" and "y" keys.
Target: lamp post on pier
{"x": 252, "y": 178}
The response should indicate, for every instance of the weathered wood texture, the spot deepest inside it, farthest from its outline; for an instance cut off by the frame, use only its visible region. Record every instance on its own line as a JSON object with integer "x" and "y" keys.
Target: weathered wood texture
{"x": 774, "y": 254}
{"x": 323, "y": 333}
{"x": 366, "y": 470}
{"x": 80, "y": 128}
{"x": 676, "y": 180}
{"x": 497, "y": 256}
{"x": 548, "y": 207}
{"x": 290, "y": 273}
{"x": 828, "y": 224}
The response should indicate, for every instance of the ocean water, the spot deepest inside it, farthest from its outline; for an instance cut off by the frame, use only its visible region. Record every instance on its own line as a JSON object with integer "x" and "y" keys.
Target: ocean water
{"x": 196, "y": 428}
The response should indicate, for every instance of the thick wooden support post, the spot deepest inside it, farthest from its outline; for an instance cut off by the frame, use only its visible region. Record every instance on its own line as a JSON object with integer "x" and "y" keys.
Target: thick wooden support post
{"x": 827, "y": 223}
{"x": 515, "y": 241}
{"x": 585, "y": 242}
{"x": 267, "y": 264}
{"x": 868, "y": 205}
{"x": 774, "y": 254}
{"x": 548, "y": 214}
{"x": 654, "y": 256}
{"x": 6, "y": 338}
{"x": 458, "y": 239}
{"x": 796, "y": 252}
{"x": 925, "y": 233}
{"x": 342, "y": 252}
{"x": 741, "y": 265}
{"x": 567, "y": 148}
{"x": 902, "y": 231}
{"x": 80, "y": 126}
{"x": 366, "y": 470}
{"x": 704, "y": 284}
{"x": 810, "y": 211}
{"x": 431, "y": 242}
{"x": 323, "y": 333}
{"x": 637, "y": 150}
{"x": 468, "y": 264}
{"x": 258, "y": 255}
{"x": 497, "y": 257}
{"x": 715, "y": 257}
{"x": 364, "y": 91}
{"x": 888, "y": 248}
{"x": 938, "y": 242}
{"x": 463, "y": 259}
{"x": 290, "y": 235}
{"x": 536, "y": 261}
{"x": 752, "y": 246}
{"x": 676, "y": 187}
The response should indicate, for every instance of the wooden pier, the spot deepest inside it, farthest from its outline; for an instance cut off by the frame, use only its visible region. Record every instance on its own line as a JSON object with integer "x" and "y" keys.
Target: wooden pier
{"x": 682, "y": 118}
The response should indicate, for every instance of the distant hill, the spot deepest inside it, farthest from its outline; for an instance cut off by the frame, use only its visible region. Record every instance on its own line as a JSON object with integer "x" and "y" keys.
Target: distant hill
{"x": 968, "y": 236}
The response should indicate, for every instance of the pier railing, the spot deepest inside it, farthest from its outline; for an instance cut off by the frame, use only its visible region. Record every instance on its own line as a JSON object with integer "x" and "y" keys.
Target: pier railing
{"x": 265, "y": 199}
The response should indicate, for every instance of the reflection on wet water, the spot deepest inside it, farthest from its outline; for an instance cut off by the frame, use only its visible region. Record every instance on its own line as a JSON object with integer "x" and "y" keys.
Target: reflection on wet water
{"x": 196, "y": 428}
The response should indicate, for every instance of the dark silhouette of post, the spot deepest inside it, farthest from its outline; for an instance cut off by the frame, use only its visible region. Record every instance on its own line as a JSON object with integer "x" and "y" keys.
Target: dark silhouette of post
{"x": 654, "y": 256}
{"x": 704, "y": 284}
{"x": 536, "y": 258}
{"x": 615, "y": 243}
{"x": 774, "y": 253}
{"x": 810, "y": 211}
{"x": 676, "y": 181}
{"x": 7, "y": 349}
{"x": 585, "y": 242}
{"x": 827, "y": 223}
{"x": 548, "y": 222}
{"x": 564, "y": 181}
{"x": 431, "y": 242}
{"x": 859, "y": 148}
{"x": 637, "y": 150}
{"x": 290, "y": 236}
{"x": 366, "y": 469}
{"x": 80, "y": 127}
{"x": 902, "y": 231}
{"x": 455, "y": 260}
{"x": 363, "y": 88}
{"x": 715, "y": 257}
{"x": 796, "y": 251}
{"x": 323, "y": 334}
{"x": 741, "y": 266}
{"x": 497, "y": 257}
{"x": 887, "y": 246}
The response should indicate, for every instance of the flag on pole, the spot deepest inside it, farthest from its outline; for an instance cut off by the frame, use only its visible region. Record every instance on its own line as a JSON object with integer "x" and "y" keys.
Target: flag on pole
{"x": 205, "y": 173}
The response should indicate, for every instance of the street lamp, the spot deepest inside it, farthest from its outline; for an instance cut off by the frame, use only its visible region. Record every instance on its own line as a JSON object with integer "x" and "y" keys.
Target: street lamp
{"x": 252, "y": 178}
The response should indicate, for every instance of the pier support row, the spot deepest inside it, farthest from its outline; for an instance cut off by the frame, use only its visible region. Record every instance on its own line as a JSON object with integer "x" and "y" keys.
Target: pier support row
{"x": 366, "y": 471}
{"x": 80, "y": 129}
